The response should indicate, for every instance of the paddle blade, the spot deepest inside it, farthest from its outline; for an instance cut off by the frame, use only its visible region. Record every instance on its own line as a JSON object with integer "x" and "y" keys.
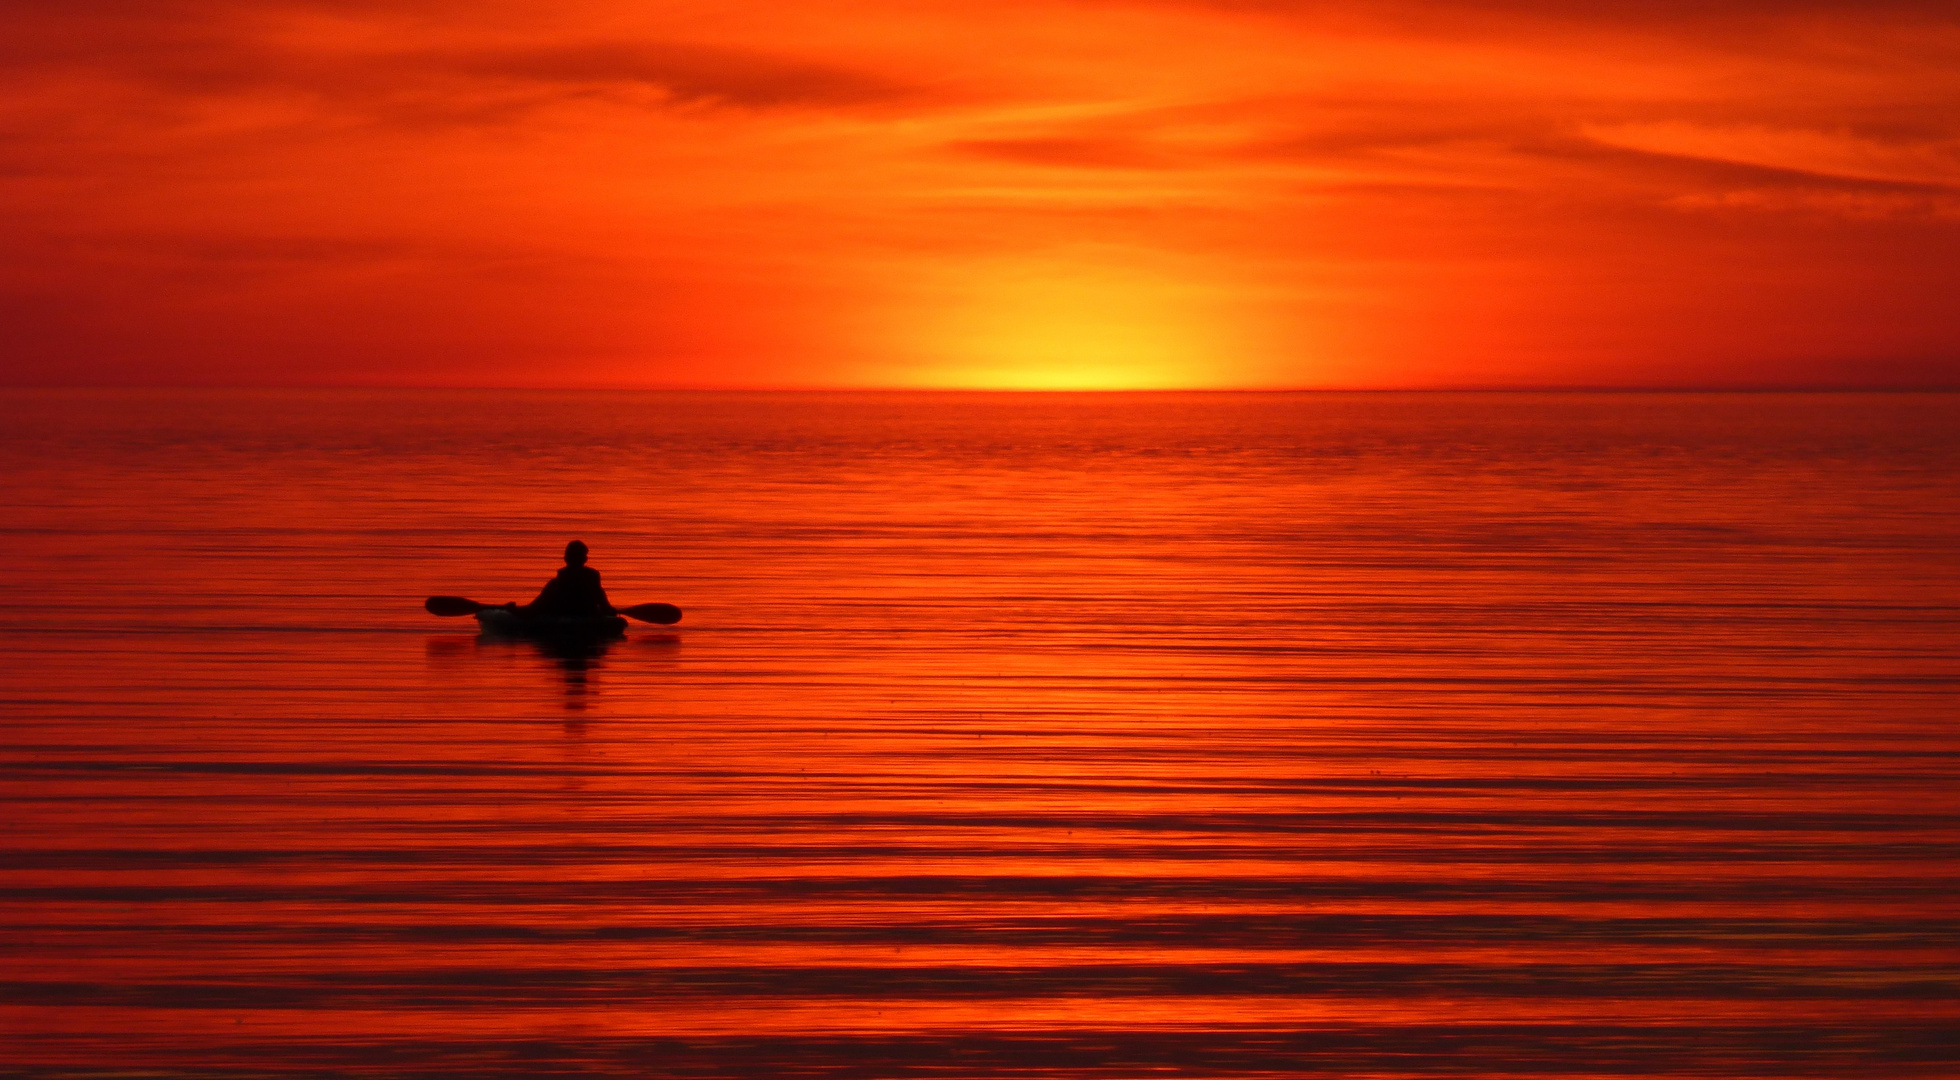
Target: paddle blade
{"x": 451, "y": 605}
{"x": 664, "y": 614}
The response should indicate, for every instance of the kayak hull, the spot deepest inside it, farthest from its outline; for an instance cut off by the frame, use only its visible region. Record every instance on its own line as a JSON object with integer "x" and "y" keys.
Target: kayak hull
{"x": 503, "y": 622}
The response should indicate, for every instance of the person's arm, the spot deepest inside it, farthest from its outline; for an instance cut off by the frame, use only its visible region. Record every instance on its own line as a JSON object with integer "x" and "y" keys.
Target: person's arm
{"x": 599, "y": 592}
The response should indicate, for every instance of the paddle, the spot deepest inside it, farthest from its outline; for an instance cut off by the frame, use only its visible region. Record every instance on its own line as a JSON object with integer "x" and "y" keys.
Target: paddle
{"x": 663, "y": 614}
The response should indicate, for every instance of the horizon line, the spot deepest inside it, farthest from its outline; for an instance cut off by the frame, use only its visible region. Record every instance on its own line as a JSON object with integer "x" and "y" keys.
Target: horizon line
{"x": 1466, "y": 388}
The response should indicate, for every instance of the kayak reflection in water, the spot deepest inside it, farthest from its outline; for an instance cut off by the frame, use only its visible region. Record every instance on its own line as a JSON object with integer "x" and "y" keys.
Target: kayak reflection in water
{"x": 574, "y": 594}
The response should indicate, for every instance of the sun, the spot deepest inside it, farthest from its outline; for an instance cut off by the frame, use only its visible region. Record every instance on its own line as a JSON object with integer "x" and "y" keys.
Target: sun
{"x": 1061, "y": 324}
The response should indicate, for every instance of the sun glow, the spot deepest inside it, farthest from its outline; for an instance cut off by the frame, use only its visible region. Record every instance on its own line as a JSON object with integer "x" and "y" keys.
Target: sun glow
{"x": 1079, "y": 326}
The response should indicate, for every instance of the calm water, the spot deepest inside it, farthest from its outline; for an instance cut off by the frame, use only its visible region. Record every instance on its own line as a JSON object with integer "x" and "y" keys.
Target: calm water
{"x": 1112, "y": 736}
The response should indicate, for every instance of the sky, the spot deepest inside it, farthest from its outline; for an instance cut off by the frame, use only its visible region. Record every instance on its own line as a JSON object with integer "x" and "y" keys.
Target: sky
{"x": 1023, "y": 194}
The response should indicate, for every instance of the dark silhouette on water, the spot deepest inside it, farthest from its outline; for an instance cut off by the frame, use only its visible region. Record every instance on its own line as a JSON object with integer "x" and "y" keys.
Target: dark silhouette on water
{"x": 574, "y": 602}
{"x": 575, "y": 593}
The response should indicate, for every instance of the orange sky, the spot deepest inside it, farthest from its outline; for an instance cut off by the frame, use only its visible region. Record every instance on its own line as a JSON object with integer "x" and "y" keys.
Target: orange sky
{"x": 1258, "y": 193}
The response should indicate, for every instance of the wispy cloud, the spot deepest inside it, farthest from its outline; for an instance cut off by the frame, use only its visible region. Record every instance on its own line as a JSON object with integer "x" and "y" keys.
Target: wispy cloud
{"x": 686, "y": 74}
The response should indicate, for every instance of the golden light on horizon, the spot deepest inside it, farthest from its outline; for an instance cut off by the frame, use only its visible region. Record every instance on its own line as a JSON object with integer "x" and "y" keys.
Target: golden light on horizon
{"x": 1078, "y": 324}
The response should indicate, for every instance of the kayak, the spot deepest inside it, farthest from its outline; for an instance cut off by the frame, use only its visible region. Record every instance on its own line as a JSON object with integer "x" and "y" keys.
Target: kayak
{"x": 503, "y": 622}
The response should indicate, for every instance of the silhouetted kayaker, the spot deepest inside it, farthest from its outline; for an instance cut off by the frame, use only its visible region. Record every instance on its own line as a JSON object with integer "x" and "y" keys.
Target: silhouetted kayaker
{"x": 575, "y": 592}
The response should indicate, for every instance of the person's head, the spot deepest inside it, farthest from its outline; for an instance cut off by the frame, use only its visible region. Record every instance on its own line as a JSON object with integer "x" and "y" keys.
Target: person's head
{"x": 575, "y": 553}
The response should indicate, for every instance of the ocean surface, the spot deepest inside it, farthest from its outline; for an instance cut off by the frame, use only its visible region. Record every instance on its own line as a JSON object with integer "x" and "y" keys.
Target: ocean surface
{"x": 1101, "y": 735}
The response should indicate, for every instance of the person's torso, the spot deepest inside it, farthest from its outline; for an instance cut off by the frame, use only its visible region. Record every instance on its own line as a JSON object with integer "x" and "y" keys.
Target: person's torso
{"x": 579, "y": 577}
